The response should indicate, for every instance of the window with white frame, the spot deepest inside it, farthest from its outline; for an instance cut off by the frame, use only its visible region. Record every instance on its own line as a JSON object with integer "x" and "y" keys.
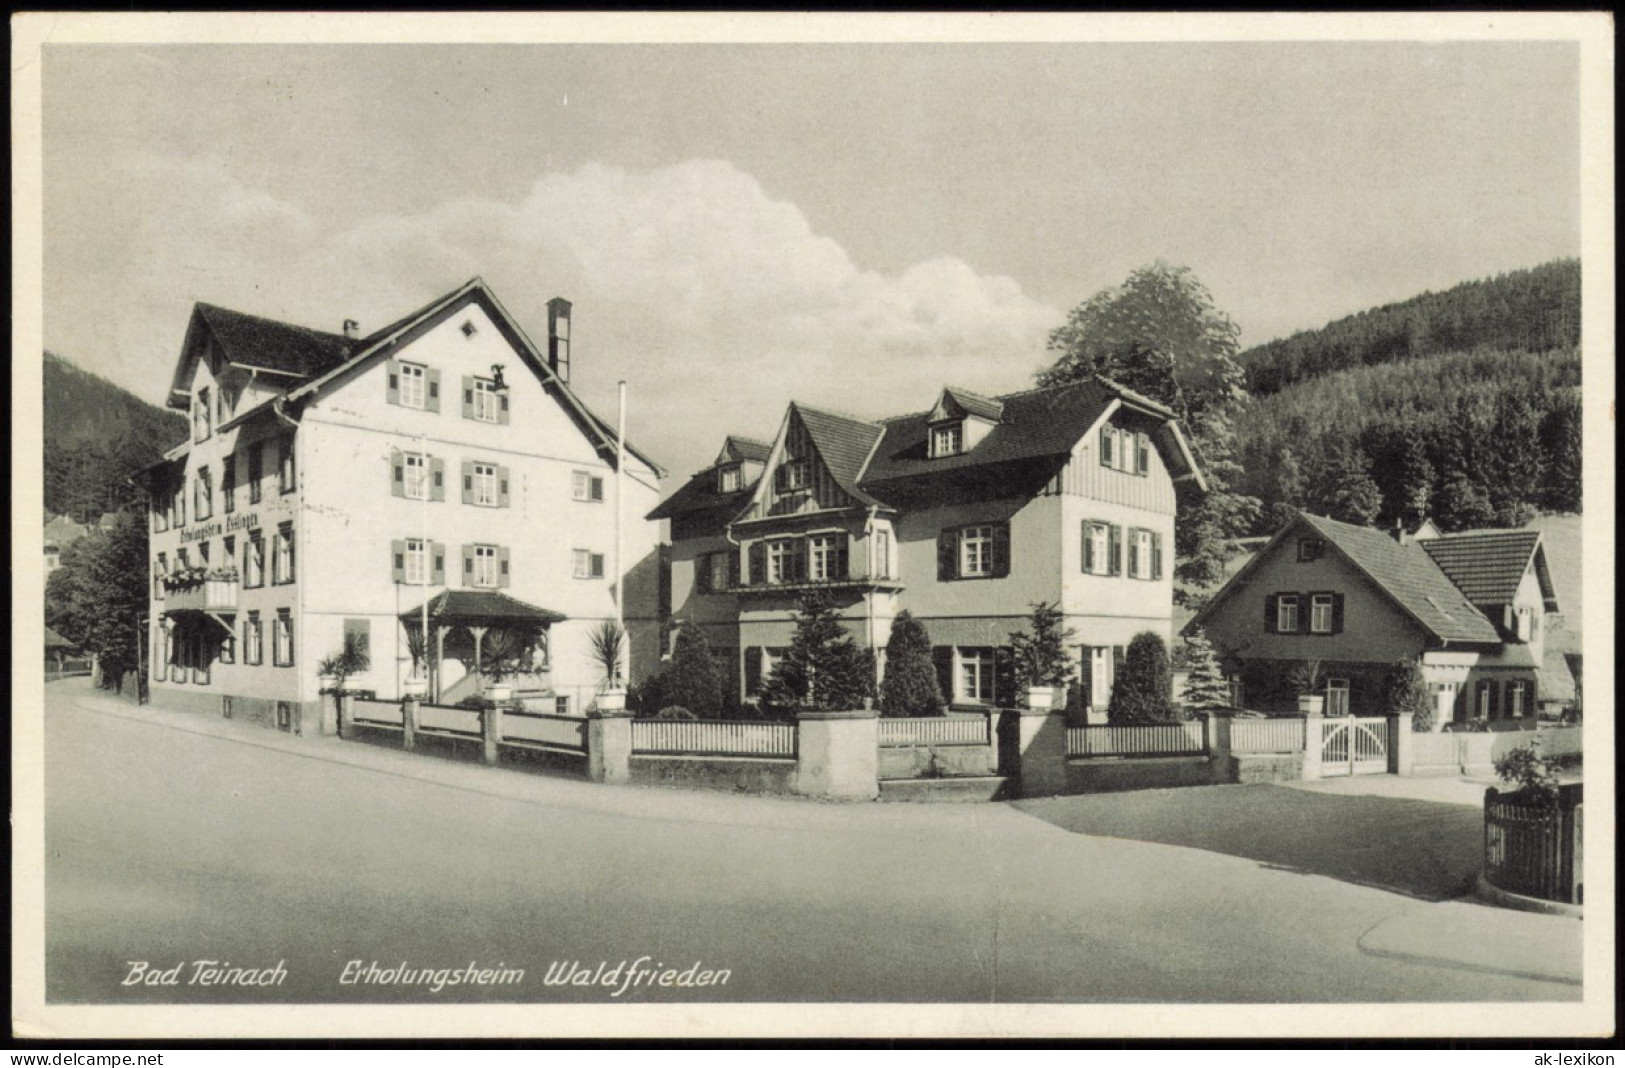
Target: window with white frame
{"x": 415, "y": 562}
{"x": 201, "y": 415}
{"x": 586, "y": 487}
{"x": 282, "y": 639}
{"x": 416, "y": 479}
{"x": 203, "y": 506}
{"x": 1320, "y": 613}
{"x": 1286, "y": 613}
{"x": 781, "y": 557}
{"x": 1124, "y": 451}
{"x": 253, "y": 640}
{"x": 485, "y": 400}
{"x": 254, "y": 560}
{"x": 728, "y": 478}
{"x": 485, "y": 484}
{"x": 719, "y": 564}
{"x": 1098, "y": 556}
{"x": 792, "y": 475}
{"x": 975, "y": 676}
{"x": 976, "y": 551}
{"x": 948, "y": 440}
{"x": 1337, "y": 696}
{"x": 160, "y": 569}
{"x": 882, "y": 561}
{"x": 1526, "y": 623}
{"x": 1140, "y": 557}
{"x": 1517, "y": 696}
{"x": 826, "y": 557}
{"x": 587, "y": 564}
{"x": 282, "y": 555}
{"x": 414, "y": 390}
{"x": 485, "y": 565}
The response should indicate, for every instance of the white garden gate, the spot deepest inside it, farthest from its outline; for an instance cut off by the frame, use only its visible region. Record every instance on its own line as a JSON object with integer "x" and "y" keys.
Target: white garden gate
{"x": 1353, "y": 746}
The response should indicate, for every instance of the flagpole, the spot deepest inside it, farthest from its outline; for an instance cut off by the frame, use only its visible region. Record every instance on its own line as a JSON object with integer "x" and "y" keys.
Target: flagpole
{"x": 620, "y": 499}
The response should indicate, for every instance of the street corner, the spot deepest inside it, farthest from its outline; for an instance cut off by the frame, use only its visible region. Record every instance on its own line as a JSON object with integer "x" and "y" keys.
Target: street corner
{"x": 1469, "y": 935}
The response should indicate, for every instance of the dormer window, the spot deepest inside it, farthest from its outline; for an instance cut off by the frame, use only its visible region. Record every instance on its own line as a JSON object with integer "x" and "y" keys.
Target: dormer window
{"x": 729, "y": 478}
{"x": 947, "y": 440}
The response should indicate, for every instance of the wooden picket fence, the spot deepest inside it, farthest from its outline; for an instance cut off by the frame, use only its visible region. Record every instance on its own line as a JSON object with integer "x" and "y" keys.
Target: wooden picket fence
{"x": 1146, "y": 739}
{"x": 711, "y": 737}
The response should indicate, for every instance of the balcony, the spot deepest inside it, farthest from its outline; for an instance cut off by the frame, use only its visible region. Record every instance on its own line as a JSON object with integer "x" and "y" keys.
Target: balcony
{"x": 209, "y": 595}
{"x": 844, "y": 582}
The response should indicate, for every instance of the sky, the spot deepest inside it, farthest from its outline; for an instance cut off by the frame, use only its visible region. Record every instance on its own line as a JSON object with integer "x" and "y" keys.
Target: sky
{"x": 848, "y": 225}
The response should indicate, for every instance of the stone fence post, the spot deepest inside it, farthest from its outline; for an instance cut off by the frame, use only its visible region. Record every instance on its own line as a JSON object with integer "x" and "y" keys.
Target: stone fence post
{"x": 1311, "y": 746}
{"x": 609, "y": 745}
{"x": 491, "y": 733}
{"x": 1401, "y": 743}
{"x": 346, "y": 715}
{"x": 409, "y": 723}
{"x": 838, "y": 755}
{"x": 1041, "y": 752}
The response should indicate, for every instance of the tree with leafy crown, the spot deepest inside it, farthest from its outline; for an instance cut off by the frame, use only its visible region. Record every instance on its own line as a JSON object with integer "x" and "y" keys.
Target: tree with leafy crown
{"x": 824, "y": 670}
{"x": 1206, "y": 688}
{"x": 1160, "y": 334}
{"x": 910, "y": 687}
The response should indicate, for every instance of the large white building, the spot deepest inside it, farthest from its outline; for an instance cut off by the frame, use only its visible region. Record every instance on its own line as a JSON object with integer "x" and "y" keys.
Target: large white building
{"x": 334, "y": 483}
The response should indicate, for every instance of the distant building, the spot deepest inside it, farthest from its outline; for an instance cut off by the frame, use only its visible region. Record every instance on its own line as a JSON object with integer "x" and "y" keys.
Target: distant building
{"x": 965, "y": 514}
{"x": 336, "y": 484}
{"x": 60, "y": 532}
{"x": 1473, "y": 607}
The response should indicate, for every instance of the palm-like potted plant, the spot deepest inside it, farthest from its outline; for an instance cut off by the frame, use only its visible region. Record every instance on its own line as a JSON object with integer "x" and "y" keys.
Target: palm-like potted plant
{"x": 502, "y": 656}
{"x": 351, "y": 659}
{"x": 417, "y": 647}
{"x": 1040, "y": 657}
{"x": 608, "y": 647}
{"x": 1305, "y": 679}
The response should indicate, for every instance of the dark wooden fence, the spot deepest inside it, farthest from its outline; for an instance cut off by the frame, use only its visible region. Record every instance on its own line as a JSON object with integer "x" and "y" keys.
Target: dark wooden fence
{"x": 1533, "y": 848}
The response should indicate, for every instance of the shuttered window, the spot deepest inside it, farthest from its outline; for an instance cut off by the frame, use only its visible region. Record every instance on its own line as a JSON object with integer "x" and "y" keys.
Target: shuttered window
{"x": 974, "y": 552}
{"x": 228, "y": 485}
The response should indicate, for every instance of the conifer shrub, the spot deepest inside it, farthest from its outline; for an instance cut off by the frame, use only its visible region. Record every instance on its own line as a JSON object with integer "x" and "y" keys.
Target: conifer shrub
{"x": 910, "y": 687}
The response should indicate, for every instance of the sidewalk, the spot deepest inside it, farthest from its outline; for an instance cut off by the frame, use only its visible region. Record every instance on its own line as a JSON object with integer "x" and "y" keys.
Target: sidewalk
{"x": 1444, "y": 789}
{"x": 1476, "y": 936}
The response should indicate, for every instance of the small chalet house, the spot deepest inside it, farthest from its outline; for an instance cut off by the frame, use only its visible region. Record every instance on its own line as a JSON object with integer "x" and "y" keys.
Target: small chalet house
{"x": 1472, "y": 606}
{"x": 334, "y": 483}
{"x": 964, "y": 514}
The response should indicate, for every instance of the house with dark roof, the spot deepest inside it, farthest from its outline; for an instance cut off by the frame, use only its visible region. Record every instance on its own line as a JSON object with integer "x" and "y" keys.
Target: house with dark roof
{"x": 965, "y": 514}
{"x": 417, "y": 488}
{"x": 1471, "y": 607}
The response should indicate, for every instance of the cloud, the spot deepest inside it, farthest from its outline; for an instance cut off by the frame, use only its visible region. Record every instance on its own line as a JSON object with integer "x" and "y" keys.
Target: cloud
{"x": 717, "y": 302}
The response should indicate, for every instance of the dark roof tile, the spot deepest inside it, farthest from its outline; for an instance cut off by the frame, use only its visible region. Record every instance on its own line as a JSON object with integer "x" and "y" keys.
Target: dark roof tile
{"x": 1487, "y": 565}
{"x": 257, "y": 342}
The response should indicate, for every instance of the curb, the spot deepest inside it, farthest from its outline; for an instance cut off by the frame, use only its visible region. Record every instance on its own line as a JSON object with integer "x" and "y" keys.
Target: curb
{"x": 1491, "y": 894}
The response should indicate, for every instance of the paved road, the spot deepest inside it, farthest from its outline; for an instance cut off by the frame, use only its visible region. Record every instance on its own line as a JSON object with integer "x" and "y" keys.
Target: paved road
{"x": 173, "y": 838}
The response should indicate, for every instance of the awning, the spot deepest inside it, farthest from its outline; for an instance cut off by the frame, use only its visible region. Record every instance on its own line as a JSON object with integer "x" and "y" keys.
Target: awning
{"x": 481, "y": 608}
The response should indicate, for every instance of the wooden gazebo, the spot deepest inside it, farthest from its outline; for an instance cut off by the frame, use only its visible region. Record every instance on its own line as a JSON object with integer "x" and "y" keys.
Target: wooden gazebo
{"x": 477, "y": 611}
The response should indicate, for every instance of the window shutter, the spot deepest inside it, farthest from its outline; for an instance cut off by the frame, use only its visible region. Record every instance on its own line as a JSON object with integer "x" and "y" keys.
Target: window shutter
{"x": 843, "y": 558}
{"x": 437, "y": 479}
{"x": 798, "y": 560}
{"x": 468, "y": 565}
{"x": 753, "y": 669}
{"x": 397, "y": 485}
{"x": 1142, "y": 454}
{"x": 1134, "y": 552}
{"x": 502, "y": 487}
{"x": 392, "y": 390}
{"x": 1114, "y": 550}
{"x": 432, "y": 400}
{"x": 468, "y": 397}
{"x": 1086, "y": 675}
{"x": 468, "y": 482}
{"x": 702, "y": 573}
{"x": 1337, "y": 613}
{"x": 292, "y": 571}
{"x": 437, "y": 563}
{"x": 733, "y": 568}
{"x": 503, "y": 576}
{"x": 1156, "y": 555}
{"x": 1088, "y": 556}
{"x": 942, "y": 658}
{"x": 1118, "y": 656}
{"x": 947, "y": 555}
{"x": 1105, "y": 446}
{"x": 397, "y": 550}
{"x": 1001, "y": 550}
{"x": 758, "y": 564}
{"x": 1270, "y": 616}
{"x": 502, "y": 408}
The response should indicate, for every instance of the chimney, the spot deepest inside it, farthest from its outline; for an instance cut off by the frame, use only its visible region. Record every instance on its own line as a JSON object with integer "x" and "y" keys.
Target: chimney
{"x": 558, "y": 338}
{"x": 1399, "y": 532}
{"x": 352, "y": 329}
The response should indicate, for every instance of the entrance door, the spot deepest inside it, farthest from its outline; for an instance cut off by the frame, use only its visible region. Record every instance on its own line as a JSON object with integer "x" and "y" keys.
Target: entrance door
{"x": 1337, "y": 697}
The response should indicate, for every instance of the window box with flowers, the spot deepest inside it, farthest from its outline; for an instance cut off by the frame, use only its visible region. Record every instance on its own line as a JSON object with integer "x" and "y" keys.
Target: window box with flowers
{"x": 201, "y": 589}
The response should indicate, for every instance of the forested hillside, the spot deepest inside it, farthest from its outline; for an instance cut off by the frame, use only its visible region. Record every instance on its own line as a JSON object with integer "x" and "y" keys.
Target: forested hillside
{"x": 1534, "y": 310}
{"x": 96, "y": 436}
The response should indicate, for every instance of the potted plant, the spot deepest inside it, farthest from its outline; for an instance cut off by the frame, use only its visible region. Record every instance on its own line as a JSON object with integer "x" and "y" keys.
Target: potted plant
{"x": 351, "y": 659}
{"x": 1040, "y": 657}
{"x": 1305, "y": 679}
{"x": 502, "y": 656}
{"x": 417, "y": 647}
{"x": 608, "y": 646}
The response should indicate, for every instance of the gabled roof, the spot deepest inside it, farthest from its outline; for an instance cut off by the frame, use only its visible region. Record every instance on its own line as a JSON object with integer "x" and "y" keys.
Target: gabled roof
{"x": 266, "y": 344}
{"x": 1488, "y": 565}
{"x": 698, "y": 498}
{"x": 491, "y": 606}
{"x": 738, "y": 450}
{"x": 1405, "y": 573}
{"x": 956, "y": 402}
{"x": 53, "y": 640}
{"x": 844, "y": 444}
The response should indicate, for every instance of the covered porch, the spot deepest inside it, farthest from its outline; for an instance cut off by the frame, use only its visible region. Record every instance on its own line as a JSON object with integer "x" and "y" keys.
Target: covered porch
{"x": 479, "y": 629}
